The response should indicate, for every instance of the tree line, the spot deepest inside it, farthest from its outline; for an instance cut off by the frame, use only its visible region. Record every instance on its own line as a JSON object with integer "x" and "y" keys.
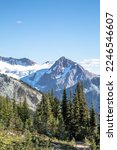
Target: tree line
{"x": 66, "y": 120}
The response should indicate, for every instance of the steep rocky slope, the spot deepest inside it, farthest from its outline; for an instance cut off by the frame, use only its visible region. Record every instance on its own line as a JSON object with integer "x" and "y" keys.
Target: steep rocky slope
{"x": 13, "y": 88}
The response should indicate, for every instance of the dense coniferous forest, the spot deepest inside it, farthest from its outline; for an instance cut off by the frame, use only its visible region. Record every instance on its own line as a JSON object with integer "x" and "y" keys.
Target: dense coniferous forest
{"x": 69, "y": 120}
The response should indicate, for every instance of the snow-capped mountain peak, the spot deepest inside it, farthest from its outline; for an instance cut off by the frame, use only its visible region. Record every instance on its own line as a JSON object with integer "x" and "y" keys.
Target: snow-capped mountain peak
{"x": 62, "y": 72}
{"x": 63, "y": 66}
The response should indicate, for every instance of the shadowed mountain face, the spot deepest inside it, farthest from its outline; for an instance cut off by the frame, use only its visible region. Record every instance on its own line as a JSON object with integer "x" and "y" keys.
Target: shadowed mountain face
{"x": 65, "y": 72}
{"x": 13, "y": 88}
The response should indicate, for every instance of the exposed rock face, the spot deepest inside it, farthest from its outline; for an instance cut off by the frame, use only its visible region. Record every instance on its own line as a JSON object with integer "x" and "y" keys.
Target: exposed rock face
{"x": 13, "y": 88}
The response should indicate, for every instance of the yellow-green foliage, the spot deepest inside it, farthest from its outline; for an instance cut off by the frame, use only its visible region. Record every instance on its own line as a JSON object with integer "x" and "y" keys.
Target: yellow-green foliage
{"x": 8, "y": 139}
{"x": 12, "y": 140}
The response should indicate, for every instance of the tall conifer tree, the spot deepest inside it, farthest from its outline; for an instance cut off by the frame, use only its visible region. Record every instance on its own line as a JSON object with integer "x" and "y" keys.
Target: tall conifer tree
{"x": 83, "y": 111}
{"x": 70, "y": 116}
{"x": 92, "y": 118}
{"x": 64, "y": 106}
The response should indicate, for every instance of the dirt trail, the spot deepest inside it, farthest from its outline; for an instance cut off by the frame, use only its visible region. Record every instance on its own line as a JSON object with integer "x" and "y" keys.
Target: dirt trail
{"x": 81, "y": 146}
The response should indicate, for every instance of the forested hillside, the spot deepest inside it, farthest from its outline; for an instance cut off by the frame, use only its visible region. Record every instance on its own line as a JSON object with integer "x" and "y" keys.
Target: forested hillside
{"x": 53, "y": 124}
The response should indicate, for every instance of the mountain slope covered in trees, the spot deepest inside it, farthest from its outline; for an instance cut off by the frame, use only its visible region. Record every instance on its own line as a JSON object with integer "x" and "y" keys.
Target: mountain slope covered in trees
{"x": 68, "y": 120}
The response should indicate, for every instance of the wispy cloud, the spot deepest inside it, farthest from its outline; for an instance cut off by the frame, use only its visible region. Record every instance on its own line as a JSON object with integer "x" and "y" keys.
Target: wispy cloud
{"x": 90, "y": 62}
{"x": 91, "y": 65}
{"x": 19, "y": 22}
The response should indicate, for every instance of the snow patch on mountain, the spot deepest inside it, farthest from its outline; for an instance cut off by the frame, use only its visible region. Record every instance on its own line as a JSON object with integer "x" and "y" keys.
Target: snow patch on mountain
{"x": 17, "y": 71}
{"x": 20, "y": 71}
{"x": 33, "y": 78}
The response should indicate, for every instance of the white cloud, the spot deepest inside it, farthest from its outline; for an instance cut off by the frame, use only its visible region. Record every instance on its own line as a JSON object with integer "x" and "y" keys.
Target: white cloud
{"x": 92, "y": 65}
{"x": 90, "y": 62}
{"x": 19, "y": 22}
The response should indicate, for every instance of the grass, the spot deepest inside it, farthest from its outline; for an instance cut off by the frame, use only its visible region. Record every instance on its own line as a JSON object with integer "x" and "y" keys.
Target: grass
{"x": 12, "y": 140}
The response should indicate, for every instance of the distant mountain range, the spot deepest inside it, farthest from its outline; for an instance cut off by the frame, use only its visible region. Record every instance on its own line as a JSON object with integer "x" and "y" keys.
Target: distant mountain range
{"x": 14, "y": 61}
{"x": 48, "y": 76}
{"x": 19, "y": 68}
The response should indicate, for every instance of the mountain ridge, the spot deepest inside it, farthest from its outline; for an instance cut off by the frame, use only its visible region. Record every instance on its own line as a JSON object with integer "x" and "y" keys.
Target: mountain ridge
{"x": 16, "y": 61}
{"x": 64, "y": 72}
{"x": 17, "y": 68}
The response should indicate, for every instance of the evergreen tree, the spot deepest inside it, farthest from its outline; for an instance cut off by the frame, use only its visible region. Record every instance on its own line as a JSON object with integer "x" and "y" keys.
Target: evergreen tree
{"x": 64, "y": 106}
{"x": 61, "y": 131}
{"x": 70, "y": 116}
{"x": 18, "y": 124}
{"x": 56, "y": 108}
{"x": 44, "y": 119}
{"x": 52, "y": 95}
{"x": 76, "y": 116}
{"x": 19, "y": 109}
{"x": 24, "y": 112}
{"x": 1, "y": 105}
{"x": 6, "y": 111}
{"x": 54, "y": 102}
{"x": 83, "y": 111}
{"x": 92, "y": 119}
{"x": 49, "y": 114}
{"x": 37, "y": 119}
{"x": 14, "y": 106}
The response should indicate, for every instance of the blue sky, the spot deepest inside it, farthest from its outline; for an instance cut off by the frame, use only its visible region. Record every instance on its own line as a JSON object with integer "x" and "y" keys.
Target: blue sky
{"x": 48, "y": 29}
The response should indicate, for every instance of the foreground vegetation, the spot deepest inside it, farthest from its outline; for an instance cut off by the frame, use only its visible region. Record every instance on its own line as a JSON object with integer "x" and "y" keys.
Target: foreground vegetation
{"x": 53, "y": 124}
{"x": 13, "y": 140}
